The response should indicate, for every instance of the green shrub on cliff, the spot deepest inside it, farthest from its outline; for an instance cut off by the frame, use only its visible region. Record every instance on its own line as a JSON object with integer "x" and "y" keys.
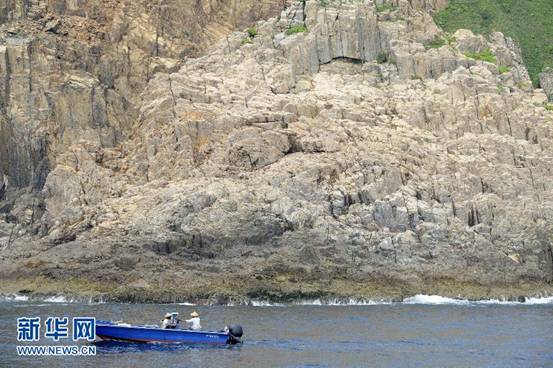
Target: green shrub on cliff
{"x": 434, "y": 44}
{"x": 503, "y": 69}
{"x": 252, "y": 32}
{"x": 296, "y": 29}
{"x": 486, "y": 55}
{"x": 384, "y": 57}
{"x": 529, "y": 22}
{"x": 384, "y": 7}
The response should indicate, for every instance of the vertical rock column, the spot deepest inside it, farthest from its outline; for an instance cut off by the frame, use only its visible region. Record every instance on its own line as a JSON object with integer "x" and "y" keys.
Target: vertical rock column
{"x": 334, "y": 33}
{"x": 23, "y": 106}
{"x": 2, "y": 186}
{"x": 546, "y": 82}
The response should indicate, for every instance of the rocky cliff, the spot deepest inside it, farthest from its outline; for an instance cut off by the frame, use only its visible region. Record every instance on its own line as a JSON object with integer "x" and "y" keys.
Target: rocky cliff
{"x": 341, "y": 148}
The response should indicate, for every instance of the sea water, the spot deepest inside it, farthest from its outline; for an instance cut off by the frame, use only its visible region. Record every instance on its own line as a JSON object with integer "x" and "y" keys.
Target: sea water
{"x": 423, "y": 331}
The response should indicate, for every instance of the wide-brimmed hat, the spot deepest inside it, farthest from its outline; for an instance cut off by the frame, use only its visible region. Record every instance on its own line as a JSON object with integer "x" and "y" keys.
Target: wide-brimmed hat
{"x": 194, "y": 314}
{"x": 167, "y": 315}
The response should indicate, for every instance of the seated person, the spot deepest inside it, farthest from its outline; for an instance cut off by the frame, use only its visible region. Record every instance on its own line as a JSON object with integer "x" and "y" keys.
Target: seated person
{"x": 166, "y": 321}
{"x": 194, "y": 322}
{"x": 171, "y": 320}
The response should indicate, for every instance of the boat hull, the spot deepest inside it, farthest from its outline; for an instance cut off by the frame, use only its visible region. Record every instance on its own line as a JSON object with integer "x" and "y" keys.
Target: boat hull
{"x": 112, "y": 331}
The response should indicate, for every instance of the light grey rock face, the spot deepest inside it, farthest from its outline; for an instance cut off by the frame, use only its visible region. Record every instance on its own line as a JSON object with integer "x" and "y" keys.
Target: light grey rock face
{"x": 13, "y": 9}
{"x": 546, "y": 83}
{"x": 2, "y": 186}
{"x": 347, "y": 152}
{"x": 74, "y": 70}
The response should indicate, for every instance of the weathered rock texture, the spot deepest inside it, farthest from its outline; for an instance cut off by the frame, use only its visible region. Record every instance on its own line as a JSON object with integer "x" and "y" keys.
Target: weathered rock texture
{"x": 73, "y": 70}
{"x": 546, "y": 82}
{"x": 349, "y": 159}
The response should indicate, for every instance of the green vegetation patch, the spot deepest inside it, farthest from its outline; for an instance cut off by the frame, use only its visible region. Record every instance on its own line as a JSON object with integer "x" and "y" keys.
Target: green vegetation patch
{"x": 503, "y": 69}
{"x": 296, "y": 29}
{"x": 449, "y": 39}
{"x": 529, "y": 22}
{"x": 435, "y": 44}
{"x": 252, "y": 32}
{"x": 440, "y": 41}
{"x": 385, "y": 7}
{"x": 486, "y": 55}
{"x": 384, "y": 57}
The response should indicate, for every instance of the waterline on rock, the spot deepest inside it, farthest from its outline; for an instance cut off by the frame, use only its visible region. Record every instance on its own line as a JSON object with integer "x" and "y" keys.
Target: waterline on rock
{"x": 419, "y": 299}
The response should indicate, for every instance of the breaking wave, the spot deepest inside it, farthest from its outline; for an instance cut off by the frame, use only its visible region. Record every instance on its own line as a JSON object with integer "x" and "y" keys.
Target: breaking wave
{"x": 440, "y": 300}
{"x": 350, "y": 301}
{"x": 58, "y": 299}
{"x": 13, "y": 298}
{"x": 319, "y": 302}
{"x": 419, "y": 299}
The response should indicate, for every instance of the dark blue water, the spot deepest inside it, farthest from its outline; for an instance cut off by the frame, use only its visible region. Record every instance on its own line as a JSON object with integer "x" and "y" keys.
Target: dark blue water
{"x": 396, "y": 335}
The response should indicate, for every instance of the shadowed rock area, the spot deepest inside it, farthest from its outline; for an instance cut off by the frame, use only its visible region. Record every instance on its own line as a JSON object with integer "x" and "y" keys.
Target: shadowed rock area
{"x": 346, "y": 149}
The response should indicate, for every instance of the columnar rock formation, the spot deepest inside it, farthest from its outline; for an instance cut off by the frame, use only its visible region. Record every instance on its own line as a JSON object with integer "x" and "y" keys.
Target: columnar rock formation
{"x": 343, "y": 147}
{"x": 2, "y": 186}
{"x": 546, "y": 82}
{"x": 74, "y": 70}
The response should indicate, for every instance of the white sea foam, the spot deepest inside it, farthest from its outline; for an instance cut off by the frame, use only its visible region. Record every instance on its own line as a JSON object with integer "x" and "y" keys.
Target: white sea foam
{"x": 57, "y": 299}
{"x": 24, "y": 298}
{"x": 31, "y": 305}
{"x": 320, "y": 302}
{"x": 419, "y": 299}
{"x": 433, "y": 299}
{"x": 440, "y": 300}
{"x": 13, "y": 298}
{"x": 264, "y": 303}
{"x": 344, "y": 302}
{"x": 63, "y": 299}
{"x": 548, "y": 300}
{"x": 414, "y": 300}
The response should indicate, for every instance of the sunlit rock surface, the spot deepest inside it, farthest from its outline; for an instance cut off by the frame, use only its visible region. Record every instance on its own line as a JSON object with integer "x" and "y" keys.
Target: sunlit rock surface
{"x": 358, "y": 157}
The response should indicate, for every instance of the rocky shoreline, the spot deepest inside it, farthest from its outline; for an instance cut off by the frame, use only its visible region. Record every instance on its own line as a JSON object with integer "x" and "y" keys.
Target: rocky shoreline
{"x": 341, "y": 292}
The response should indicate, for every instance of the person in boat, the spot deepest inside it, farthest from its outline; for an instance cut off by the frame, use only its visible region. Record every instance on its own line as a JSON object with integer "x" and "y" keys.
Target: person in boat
{"x": 194, "y": 322}
{"x": 171, "y": 320}
{"x": 166, "y": 321}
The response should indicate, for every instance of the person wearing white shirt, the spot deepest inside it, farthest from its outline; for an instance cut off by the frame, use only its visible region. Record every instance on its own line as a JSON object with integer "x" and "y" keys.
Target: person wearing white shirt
{"x": 194, "y": 322}
{"x": 166, "y": 321}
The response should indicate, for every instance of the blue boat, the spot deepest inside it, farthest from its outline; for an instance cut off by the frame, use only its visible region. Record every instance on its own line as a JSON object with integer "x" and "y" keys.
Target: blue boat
{"x": 124, "y": 332}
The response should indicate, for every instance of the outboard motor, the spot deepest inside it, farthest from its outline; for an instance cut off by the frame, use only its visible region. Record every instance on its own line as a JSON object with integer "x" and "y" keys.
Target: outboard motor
{"x": 235, "y": 333}
{"x": 174, "y": 320}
